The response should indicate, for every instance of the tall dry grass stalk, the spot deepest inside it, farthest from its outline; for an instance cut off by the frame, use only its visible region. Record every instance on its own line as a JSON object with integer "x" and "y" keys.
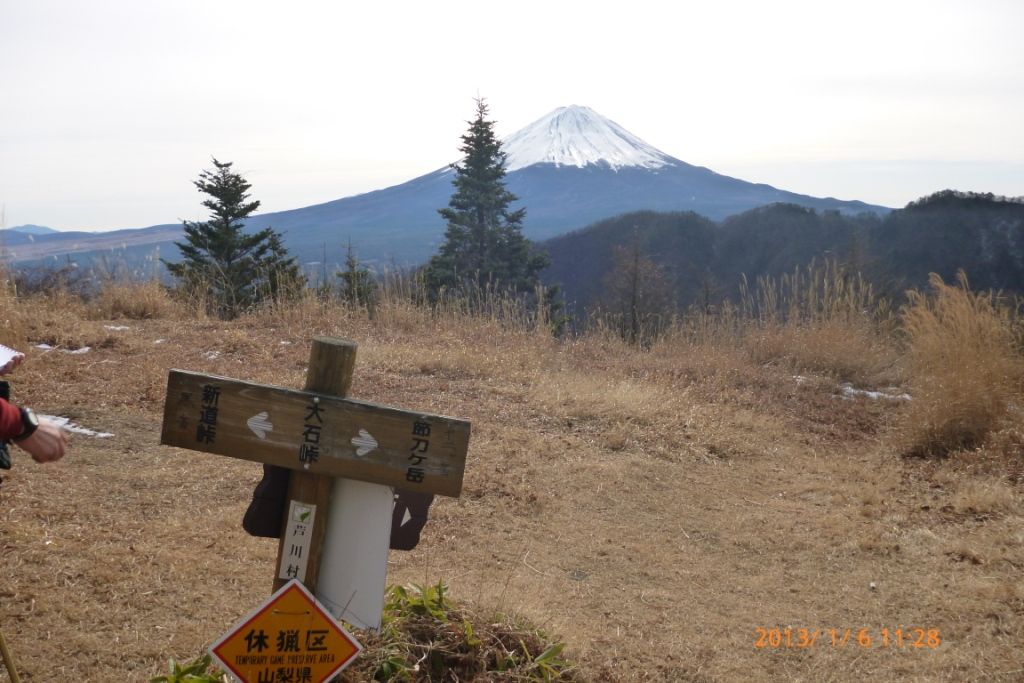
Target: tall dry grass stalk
{"x": 12, "y": 324}
{"x": 305, "y": 312}
{"x": 481, "y": 332}
{"x": 824, "y": 291}
{"x": 965, "y": 372}
{"x": 135, "y": 301}
{"x": 402, "y": 304}
{"x": 821, "y": 318}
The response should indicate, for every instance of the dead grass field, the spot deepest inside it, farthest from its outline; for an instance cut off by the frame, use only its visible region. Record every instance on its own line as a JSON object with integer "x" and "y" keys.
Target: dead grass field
{"x": 652, "y": 508}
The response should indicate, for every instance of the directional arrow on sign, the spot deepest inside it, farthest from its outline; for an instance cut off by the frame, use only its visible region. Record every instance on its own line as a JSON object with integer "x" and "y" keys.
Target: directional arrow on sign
{"x": 260, "y": 424}
{"x": 364, "y": 443}
{"x": 243, "y": 428}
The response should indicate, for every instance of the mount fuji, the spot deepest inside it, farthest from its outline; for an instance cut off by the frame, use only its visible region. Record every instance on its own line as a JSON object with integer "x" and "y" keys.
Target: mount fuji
{"x": 569, "y": 169}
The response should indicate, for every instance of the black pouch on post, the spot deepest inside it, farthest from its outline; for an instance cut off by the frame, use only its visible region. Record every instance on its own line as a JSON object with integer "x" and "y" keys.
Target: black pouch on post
{"x": 266, "y": 511}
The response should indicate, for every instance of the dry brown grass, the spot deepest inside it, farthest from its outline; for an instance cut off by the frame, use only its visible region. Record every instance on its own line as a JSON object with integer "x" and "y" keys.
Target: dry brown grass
{"x": 651, "y": 507}
{"x": 985, "y": 497}
{"x": 965, "y": 372}
{"x": 850, "y": 350}
{"x": 135, "y": 301}
{"x": 821, "y": 319}
{"x": 593, "y": 396}
{"x": 12, "y": 327}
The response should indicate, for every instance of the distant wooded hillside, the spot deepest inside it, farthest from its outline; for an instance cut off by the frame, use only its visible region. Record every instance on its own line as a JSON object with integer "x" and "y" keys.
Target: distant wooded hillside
{"x": 701, "y": 260}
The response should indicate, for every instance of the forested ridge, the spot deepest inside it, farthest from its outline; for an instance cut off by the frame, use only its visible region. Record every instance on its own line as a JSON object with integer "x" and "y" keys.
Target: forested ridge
{"x": 701, "y": 261}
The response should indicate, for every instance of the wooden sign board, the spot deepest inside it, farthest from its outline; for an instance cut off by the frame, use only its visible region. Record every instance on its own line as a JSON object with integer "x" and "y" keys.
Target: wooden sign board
{"x": 322, "y": 435}
{"x": 290, "y": 637}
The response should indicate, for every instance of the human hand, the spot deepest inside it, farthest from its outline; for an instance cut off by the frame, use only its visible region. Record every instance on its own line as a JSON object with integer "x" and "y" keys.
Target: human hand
{"x": 12, "y": 363}
{"x": 47, "y": 443}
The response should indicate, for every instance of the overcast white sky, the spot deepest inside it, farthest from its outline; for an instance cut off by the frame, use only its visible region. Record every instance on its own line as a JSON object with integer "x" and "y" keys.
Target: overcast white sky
{"x": 110, "y": 108}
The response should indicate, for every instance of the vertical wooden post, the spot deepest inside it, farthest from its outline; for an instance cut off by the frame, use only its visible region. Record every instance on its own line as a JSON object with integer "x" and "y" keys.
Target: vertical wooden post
{"x": 331, "y": 365}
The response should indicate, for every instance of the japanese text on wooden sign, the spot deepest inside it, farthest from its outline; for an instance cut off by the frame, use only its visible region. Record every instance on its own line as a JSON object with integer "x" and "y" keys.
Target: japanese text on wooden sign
{"x": 319, "y": 434}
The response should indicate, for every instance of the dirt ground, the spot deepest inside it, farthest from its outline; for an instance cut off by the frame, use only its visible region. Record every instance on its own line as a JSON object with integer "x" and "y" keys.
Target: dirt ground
{"x": 653, "y": 512}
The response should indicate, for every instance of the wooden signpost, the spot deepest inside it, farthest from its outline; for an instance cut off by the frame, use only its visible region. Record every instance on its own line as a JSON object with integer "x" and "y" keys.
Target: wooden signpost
{"x": 332, "y": 445}
{"x": 315, "y": 433}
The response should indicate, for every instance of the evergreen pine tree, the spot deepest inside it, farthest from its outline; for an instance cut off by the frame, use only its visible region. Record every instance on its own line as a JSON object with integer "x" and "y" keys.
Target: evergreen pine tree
{"x": 484, "y": 244}
{"x": 357, "y": 284}
{"x": 278, "y": 273}
{"x": 232, "y": 269}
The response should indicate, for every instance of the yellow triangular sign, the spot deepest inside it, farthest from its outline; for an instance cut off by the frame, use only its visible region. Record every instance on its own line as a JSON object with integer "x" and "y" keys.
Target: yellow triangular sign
{"x": 290, "y": 637}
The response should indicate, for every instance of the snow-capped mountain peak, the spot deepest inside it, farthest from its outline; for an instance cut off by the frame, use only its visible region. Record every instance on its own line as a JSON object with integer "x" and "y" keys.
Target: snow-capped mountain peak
{"x": 578, "y": 136}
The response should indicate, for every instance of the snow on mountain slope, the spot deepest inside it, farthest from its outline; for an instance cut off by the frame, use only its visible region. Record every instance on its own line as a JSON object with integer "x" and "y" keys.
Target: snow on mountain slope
{"x": 578, "y": 136}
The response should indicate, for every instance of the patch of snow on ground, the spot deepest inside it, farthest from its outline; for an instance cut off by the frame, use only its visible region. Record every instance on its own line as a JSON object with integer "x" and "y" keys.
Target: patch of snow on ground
{"x": 848, "y": 391}
{"x": 212, "y": 355}
{"x": 67, "y": 425}
{"x": 116, "y": 327}
{"x": 75, "y": 352}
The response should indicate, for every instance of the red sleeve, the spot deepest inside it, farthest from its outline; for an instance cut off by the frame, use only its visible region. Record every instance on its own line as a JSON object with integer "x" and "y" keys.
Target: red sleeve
{"x": 10, "y": 420}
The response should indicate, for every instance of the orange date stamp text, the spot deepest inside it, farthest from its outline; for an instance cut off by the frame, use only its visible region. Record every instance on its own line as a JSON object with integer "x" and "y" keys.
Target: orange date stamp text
{"x": 779, "y": 638}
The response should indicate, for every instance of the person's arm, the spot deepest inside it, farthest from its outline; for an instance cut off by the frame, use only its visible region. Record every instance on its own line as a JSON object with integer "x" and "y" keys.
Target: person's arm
{"x": 46, "y": 444}
{"x": 10, "y": 420}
